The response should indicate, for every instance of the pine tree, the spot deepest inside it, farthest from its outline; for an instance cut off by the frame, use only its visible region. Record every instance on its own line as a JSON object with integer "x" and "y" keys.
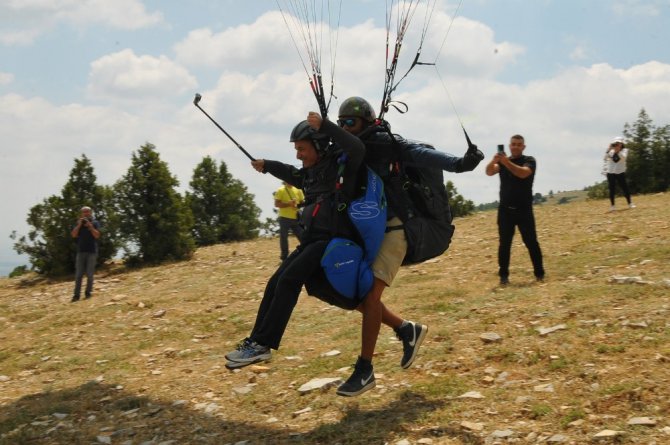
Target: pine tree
{"x": 222, "y": 208}
{"x": 49, "y": 244}
{"x": 156, "y": 221}
{"x": 459, "y": 205}
{"x": 640, "y": 162}
{"x": 661, "y": 155}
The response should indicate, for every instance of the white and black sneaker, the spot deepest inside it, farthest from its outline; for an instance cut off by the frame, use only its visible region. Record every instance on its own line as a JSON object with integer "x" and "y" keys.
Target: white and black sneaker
{"x": 411, "y": 334}
{"x": 247, "y": 353}
{"x": 362, "y": 379}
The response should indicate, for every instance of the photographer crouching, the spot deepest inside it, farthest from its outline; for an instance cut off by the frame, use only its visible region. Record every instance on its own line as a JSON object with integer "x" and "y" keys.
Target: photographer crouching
{"x": 86, "y": 232}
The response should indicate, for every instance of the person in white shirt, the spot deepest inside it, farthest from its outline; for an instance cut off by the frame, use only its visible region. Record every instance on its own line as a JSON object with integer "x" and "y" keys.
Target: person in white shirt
{"x": 615, "y": 169}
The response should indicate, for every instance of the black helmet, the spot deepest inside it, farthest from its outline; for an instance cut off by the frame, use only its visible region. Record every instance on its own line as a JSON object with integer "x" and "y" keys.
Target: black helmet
{"x": 357, "y": 107}
{"x": 303, "y": 131}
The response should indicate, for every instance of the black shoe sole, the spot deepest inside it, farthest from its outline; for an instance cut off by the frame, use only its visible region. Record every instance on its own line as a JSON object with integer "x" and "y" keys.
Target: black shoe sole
{"x": 230, "y": 364}
{"x": 365, "y": 388}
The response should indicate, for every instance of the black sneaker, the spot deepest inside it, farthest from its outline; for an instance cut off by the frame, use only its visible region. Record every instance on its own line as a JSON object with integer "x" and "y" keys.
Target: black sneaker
{"x": 362, "y": 379}
{"x": 74, "y": 299}
{"x": 87, "y": 296}
{"x": 504, "y": 281}
{"x": 411, "y": 335}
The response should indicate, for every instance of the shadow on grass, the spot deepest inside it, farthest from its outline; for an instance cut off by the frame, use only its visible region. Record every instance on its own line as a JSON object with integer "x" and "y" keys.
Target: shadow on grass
{"x": 102, "y": 413}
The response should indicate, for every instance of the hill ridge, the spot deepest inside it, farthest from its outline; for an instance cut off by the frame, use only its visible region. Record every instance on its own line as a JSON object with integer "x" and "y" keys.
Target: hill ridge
{"x": 142, "y": 362}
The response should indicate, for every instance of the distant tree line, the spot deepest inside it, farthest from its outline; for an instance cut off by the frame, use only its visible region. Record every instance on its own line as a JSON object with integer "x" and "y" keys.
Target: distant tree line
{"x": 145, "y": 216}
{"x": 141, "y": 214}
{"x": 648, "y": 162}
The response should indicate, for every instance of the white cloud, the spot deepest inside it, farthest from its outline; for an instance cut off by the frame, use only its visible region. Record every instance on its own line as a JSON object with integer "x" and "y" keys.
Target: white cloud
{"x": 244, "y": 47}
{"x": 261, "y": 92}
{"x": 6, "y": 78}
{"x": 25, "y": 20}
{"x": 124, "y": 76}
{"x": 578, "y": 53}
{"x": 638, "y": 8}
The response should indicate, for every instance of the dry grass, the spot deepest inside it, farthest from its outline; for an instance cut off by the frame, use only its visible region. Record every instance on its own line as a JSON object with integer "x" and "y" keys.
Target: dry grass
{"x": 112, "y": 369}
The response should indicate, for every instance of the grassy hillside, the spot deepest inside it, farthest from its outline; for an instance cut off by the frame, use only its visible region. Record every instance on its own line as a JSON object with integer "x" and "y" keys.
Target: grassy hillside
{"x": 142, "y": 362}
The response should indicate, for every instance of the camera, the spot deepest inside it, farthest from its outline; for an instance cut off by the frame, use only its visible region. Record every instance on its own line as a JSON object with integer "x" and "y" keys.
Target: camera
{"x": 501, "y": 148}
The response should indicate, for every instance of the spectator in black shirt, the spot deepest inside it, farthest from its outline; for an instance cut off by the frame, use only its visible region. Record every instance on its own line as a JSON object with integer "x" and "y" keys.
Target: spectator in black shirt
{"x": 86, "y": 232}
{"x": 516, "y": 205}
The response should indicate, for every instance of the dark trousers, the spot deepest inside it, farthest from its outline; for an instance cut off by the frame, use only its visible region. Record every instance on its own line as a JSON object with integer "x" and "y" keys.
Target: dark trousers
{"x": 286, "y": 224}
{"x": 84, "y": 264}
{"x": 508, "y": 219}
{"x": 612, "y": 179}
{"x": 282, "y": 292}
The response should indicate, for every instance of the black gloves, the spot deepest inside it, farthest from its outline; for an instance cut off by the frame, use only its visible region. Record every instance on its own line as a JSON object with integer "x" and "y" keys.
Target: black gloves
{"x": 470, "y": 159}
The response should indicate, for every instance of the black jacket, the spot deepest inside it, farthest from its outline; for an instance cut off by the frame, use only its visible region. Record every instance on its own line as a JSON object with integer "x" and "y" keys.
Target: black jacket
{"x": 323, "y": 216}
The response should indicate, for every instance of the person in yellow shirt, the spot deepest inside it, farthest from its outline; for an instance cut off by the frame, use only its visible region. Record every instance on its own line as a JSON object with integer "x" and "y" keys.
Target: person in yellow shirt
{"x": 287, "y": 200}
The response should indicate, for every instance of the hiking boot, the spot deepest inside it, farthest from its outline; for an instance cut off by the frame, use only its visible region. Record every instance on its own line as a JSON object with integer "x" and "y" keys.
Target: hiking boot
{"x": 362, "y": 379}
{"x": 411, "y": 334}
{"x": 248, "y": 352}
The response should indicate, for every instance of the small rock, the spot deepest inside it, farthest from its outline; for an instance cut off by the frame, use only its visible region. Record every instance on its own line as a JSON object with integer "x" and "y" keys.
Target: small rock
{"x": 490, "y": 337}
{"x": 547, "y": 387}
{"x": 425, "y": 441}
{"x": 471, "y": 395}
{"x": 104, "y": 439}
{"x": 242, "y": 390}
{"x": 159, "y": 313}
{"x": 4, "y": 378}
{"x": 557, "y": 438}
{"x": 332, "y": 353}
{"x": 635, "y": 324}
{"x": 502, "y": 434}
{"x": 646, "y": 421}
{"x": 619, "y": 279}
{"x": 605, "y": 434}
{"x": 546, "y": 331}
{"x": 578, "y": 422}
{"x": 403, "y": 442}
{"x": 258, "y": 369}
{"x": 472, "y": 426}
{"x": 322, "y": 383}
{"x": 302, "y": 411}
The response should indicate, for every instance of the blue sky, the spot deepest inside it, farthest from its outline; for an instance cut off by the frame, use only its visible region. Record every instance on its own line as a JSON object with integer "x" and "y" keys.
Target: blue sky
{"x": 102, "y": 78}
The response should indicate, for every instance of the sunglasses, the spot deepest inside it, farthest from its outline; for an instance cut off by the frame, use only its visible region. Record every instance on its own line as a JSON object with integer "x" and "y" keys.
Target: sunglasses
{"x": 347, "y": 122}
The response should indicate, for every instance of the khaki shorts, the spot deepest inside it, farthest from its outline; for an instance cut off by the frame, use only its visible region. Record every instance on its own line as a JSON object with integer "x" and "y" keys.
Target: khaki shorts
{"x": 391, "y": 253}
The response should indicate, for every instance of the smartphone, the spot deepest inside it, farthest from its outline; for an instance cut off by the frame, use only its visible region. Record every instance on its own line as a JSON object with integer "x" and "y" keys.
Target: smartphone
{"x": 501, "y": 148}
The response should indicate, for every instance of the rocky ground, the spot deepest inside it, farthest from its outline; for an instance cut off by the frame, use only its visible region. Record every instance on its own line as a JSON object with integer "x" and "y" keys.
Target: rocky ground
{"x": 582, "y": 358}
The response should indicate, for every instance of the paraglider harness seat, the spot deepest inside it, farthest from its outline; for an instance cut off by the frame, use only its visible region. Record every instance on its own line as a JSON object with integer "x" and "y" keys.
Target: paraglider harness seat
{"x": 346, "y": 277}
